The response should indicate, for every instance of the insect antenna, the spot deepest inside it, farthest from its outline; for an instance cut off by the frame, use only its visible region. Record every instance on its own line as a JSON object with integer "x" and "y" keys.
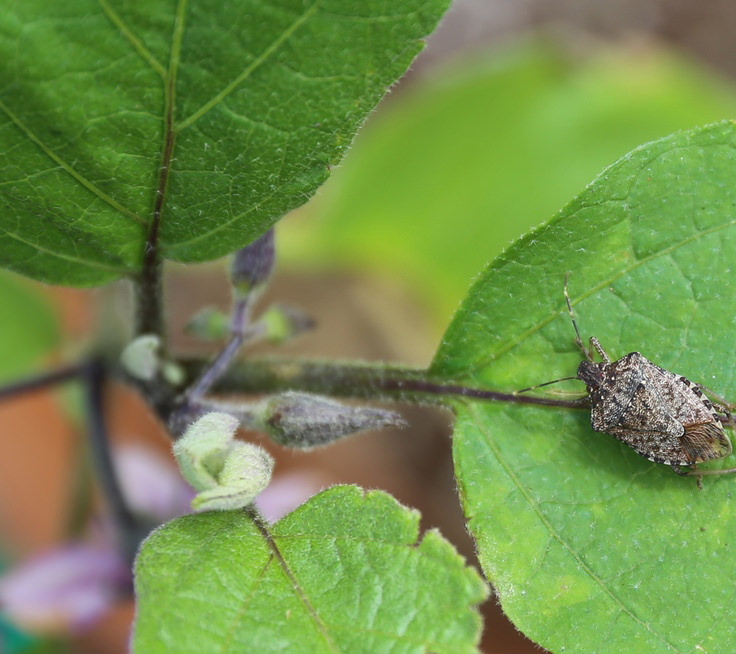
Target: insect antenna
{"x": 554, "y": 381}
{"x": 578, "y": 340}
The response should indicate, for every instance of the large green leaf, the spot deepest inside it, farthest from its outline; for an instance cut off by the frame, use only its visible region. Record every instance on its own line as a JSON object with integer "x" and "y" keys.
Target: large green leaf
{"x": 28, "y": 328}
{"x": 343, "y": 573}
{"x": 591, "y": 547}
{"x": 462, "y": 162}
{"x": 244, "y": 105}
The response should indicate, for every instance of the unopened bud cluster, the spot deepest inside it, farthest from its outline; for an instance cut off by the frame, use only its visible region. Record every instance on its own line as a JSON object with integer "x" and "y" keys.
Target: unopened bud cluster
{"x": 278, "y": 324}
{"x": 228, "y": 473}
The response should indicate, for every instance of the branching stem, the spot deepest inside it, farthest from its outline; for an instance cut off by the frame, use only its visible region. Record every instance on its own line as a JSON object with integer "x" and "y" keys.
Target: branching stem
{"x": 357, "y": 380}
{"x": 92, "y": 374}
{"x": 130, "y": 532}
{"x": 41, "y": 381}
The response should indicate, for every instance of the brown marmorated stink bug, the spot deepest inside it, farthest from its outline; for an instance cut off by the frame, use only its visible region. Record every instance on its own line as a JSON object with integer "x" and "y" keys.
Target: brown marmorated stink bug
{"x": 661, "y": 415}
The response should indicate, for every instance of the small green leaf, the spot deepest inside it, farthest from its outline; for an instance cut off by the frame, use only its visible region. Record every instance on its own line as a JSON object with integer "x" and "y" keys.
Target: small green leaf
{"x": 590, "y": 546}
{"x": 343, "y": 573}
{"x": 244, "y": 107}
{"x": 28, "y": 328}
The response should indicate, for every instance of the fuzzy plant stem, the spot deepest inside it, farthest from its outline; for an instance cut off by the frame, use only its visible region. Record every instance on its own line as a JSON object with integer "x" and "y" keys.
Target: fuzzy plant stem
{"x": 363, "y": 381}
{"x": 211, "y": 373}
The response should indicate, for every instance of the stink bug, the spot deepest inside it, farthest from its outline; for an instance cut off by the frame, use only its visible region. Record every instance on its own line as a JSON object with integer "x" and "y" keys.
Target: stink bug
{"x": 661, "y": 415}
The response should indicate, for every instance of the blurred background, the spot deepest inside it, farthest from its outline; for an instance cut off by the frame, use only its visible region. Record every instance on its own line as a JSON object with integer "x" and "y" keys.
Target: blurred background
{"x": 514, "y": 106}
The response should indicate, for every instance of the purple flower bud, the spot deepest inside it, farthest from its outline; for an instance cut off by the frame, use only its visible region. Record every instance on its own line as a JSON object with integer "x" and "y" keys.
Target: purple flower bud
{"x": 68, "y": 588}
{"x": 303, "y": 421}
{"x": 252, "y": 265}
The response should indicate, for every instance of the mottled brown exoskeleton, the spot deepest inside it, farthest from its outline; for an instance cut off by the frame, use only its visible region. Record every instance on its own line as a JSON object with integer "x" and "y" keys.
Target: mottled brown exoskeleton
{"x": 661, "y": 415}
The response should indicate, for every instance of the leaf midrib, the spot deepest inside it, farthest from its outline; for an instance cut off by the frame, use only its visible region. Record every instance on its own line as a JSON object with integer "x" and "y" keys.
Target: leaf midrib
{"x": 296, "y": 586}
{"x": 173, "y": 130}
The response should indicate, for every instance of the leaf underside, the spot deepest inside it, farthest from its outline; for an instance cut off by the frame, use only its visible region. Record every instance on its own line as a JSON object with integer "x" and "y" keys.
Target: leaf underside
{"x": 590, "y": 546}
{"x": 343, "y": 573}
{"x": 223, "y": 116}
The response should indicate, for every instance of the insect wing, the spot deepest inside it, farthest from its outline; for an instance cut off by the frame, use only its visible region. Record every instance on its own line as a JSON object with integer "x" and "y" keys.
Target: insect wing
{"x": 612, "y": 398}
{"x": 705, "y": 442}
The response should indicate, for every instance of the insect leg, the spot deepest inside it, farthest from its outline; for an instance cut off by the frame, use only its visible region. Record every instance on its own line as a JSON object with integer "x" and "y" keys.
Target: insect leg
{"x": 694, "y": 472}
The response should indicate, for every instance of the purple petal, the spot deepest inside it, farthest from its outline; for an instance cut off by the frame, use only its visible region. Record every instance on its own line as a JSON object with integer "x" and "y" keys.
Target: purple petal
{"x": 151, "y": 485}
{"x": 285, "y": 493}
{"x": 67, "y": 588}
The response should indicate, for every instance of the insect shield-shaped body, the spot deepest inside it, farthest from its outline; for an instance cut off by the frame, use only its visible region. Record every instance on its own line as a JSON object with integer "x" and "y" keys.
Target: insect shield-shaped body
{"x": 663, "y": 416}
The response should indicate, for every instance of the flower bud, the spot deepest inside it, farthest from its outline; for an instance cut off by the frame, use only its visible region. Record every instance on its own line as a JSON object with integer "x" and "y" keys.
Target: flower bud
{"x": 252, "y": 265}
{"x": 227, "y": 473}
{"x": 209, "y": 324}
{"x": 282, "y": 322}
{"x": 303, "y": 421}
{"x": 246, "y": 471}
{"x": 140, "y": 358}
{"x": 173, "y": 373}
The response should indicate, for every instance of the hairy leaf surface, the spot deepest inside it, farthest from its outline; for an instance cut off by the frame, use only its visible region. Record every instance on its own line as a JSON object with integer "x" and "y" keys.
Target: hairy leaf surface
{"x": 191, "y": 125}
{"x": 343, "y": 573}
{"x": 590, "y": 546}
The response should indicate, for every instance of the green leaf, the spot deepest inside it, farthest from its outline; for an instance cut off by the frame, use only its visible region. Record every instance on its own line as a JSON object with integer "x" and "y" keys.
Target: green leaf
{"x": 28, "y": 328}
{"x": 343, "y": 573}
{"x": 222, "y": 115}
{"x": 469, "y": 158}
{"x": 590, "y": 546}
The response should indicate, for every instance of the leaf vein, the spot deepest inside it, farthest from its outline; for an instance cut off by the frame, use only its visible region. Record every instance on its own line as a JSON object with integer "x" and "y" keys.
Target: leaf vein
{"x": 69, "y": 169}
{"x": 66, "y": 257}
{"x": 227, "y": 640}
{"x": 137, "y": 44}
{"x": 534, "y": 506}
{"x": 256, "y": 63}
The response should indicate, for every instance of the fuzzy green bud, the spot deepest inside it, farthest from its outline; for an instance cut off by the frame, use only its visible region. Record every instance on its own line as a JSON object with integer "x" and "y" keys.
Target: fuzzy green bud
{"x": 282, "y": 322}
{"x": 209, "y": 324}
{"x": 227, "y": 473}
{"x": 140, "y": 358}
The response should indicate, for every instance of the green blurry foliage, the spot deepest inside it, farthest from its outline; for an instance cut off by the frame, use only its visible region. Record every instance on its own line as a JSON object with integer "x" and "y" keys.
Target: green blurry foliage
{"x": 456, "y": 166}
{"x": 28, "y": 327}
